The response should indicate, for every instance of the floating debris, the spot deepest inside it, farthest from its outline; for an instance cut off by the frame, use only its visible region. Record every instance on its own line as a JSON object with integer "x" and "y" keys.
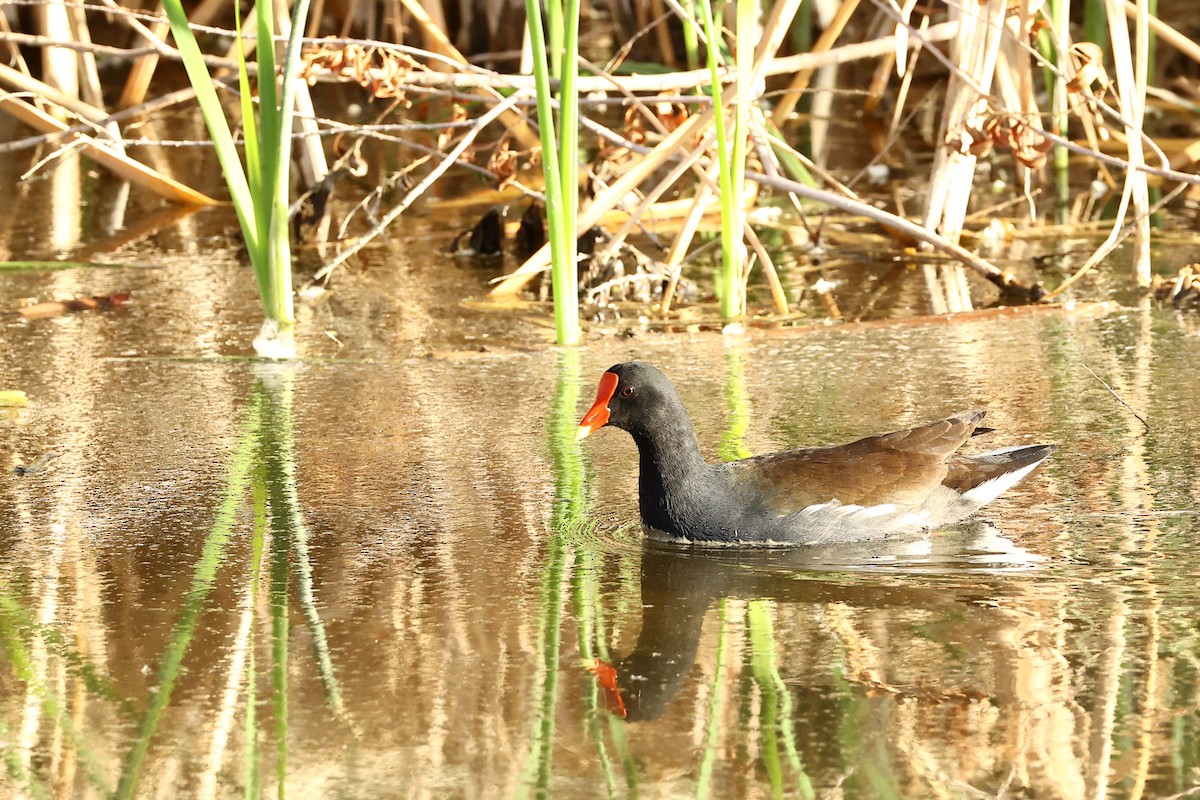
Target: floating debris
{"x": 35, "y": 467}
{"x": 55, "y": 308}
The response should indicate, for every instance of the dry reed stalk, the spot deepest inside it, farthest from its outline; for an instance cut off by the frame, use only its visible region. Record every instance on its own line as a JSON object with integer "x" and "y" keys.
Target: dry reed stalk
{"x": 1165, "y": 32}
{"x": 1131, "y": 88}
{"x": 1113, "y": 241}
{"x": 974, "y": 52}
{"x": 478, "y": 77}
{"x": 880, "y": 81}
{"x": 778, "y": 295}
{"x": 907, "y": 78}
{"x": 902, "y": 227}
{"x": 1079, "y": 100}
{"x": 60, "y": 66}
{"x": 649, "y": 207}
{"x": 787, "y": 103}
{"x": 677, "y": 141}
{"x": 85, "y": 111}
{"x": 89, "y": 77}
{"x": 120, "y": 165}
{"x": 702, "y": 201}
{"x": 822, "y": 112}
{"x": 669, "y": 149}
{"x": 666, "y": 151}
{"x": 142, "y": 71}
{"x": 316, "y": 13}
{"x": 518, "y": 125}
{"x": 431, "y": 20}
{"x": 14, "y": 52}
{"x": 816, "y": 169}
{"x": 662, "y": 33}
{"x": 1014, "y": 82}
{"x": 1131, "y": 83}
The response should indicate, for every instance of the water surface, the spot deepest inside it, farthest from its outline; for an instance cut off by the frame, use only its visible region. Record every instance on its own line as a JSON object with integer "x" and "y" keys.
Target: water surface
{"x": 389, "y": 570}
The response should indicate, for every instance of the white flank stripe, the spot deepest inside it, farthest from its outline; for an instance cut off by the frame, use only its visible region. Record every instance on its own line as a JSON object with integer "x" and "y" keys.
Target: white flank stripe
{"x": 988, "y": 491}
{"x": 879, "y": 511}
{"x": 914, "y": 520}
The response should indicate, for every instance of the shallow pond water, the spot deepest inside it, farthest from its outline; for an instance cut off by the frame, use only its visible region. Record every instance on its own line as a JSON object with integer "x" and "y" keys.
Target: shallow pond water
{"x": 390, "y": 571}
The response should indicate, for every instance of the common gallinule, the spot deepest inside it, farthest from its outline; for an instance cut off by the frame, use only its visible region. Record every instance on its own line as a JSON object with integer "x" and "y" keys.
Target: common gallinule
{"x": 892, "y": 485}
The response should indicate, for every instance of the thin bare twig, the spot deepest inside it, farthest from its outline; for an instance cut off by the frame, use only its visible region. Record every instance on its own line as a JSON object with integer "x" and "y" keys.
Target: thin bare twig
{"x": 1111, "y": 391}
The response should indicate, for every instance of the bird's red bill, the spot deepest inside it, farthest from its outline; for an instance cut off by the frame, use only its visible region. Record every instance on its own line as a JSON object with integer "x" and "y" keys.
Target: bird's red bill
{"x": 597, "y": 416}
{"x": 606, "y": 676}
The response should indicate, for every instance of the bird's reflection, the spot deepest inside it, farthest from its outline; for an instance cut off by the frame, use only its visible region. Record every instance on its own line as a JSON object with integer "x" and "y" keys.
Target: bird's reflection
{"x": 678, "y": 586}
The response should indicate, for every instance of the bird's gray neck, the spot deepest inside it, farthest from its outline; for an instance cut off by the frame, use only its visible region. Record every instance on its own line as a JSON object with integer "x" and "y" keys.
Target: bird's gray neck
{"x": 672, "y": 478}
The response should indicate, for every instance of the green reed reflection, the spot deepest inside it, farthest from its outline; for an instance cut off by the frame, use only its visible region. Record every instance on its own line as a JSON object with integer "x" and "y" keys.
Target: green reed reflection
{"x": 572, "y": 565}
{"x": 17, "y": 625}
{"x": 732, "y": 447}
{"x": 737, "y": 407}
{"x": 236, "y": 482}
{"x": 775, "y": 716}
{"x": 864, "y": 754}
{"x": 260, "y": 474}
{"x": 565, "y": 516}
{"x": 258, "y": 551}
{"x": 715, "y": 698}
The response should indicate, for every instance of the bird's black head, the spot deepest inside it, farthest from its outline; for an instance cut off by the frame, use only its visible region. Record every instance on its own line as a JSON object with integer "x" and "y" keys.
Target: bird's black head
{"x": 633, "y": 396}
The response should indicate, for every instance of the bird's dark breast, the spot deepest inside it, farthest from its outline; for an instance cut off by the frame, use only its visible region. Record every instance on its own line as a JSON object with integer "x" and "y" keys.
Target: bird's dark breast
{"x": 699, "y": 508}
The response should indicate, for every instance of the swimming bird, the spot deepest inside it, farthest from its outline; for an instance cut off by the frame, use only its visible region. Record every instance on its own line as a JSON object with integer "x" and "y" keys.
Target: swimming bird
{"x": 893, "y": 485}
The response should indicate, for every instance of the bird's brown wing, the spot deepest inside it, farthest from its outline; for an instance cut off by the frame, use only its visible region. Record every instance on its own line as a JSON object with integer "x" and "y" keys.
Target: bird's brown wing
{"x": 902, "y": 467}
{"x": 965, "y": 473}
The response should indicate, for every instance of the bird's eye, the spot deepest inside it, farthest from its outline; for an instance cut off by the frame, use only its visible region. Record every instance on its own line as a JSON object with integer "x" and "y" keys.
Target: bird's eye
{"x": 628, "y": 391}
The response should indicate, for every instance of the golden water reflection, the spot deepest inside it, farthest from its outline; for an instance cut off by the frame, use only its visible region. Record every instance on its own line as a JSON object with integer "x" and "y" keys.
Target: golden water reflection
{"x": 415, "y": 573}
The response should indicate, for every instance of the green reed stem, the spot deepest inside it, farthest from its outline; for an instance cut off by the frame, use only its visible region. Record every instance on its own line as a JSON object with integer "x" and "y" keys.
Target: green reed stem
{"x": 259, "y": 187}
{"x": 1056, "y": 88}
{"x": 281, "y": 262}
{"x": 1151, "y": 44}
{"x": 730, "y": 156}
{"x": 559, "y": 163}
{"x": 691, "y": 42}
{"x": 1095, "y": 23}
